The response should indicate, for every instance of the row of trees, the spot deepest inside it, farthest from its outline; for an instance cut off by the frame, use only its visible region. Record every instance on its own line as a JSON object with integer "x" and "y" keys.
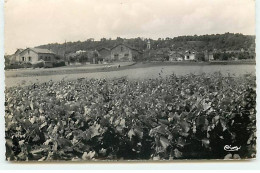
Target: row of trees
{"x": 227, "y": 41}
{"x": 200, "y": 56}
{"x": 230, "y": 56}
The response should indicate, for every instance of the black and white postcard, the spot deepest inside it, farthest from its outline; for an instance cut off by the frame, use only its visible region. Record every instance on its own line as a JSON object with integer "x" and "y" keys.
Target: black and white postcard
{"x": 120, "y": 80}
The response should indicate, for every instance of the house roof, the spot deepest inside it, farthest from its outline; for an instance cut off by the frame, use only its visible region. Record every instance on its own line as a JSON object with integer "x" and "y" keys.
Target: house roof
{"x": 187, "y": 52}
{"x": 39, "y": 50}
{"x": 18, "y": 50}
{"x": 125, "y": 46}
{"x": 175, "y": 54}
{"x": 104, "y": 49}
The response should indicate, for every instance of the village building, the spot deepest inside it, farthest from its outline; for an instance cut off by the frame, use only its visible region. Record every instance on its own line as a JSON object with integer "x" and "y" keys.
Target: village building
{"x": 232, "y": 51}
{"x": 15, "y": 57}
{"x": 208, "y": 56}
{"x": 175, "y": 56}
{"x": 148, "y": 45}
{"x": 161, "y": 54}
{"x": 154, "y": 55}
{"x": 190, "y": 56}
{"x": 33, "y": 55}
{"x": 211, "y": 56}
{"x": 81, "y": 51}
{"x": 105, "y": 54}
{"x": 94, "y": 57}
{"x": 122, "y": 52}
{"x": 84, "y": 57}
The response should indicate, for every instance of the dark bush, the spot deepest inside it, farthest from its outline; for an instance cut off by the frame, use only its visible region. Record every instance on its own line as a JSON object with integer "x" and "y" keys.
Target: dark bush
{"x": 38, "y": 65}
{"x": 18, "y": 65}
{"x": 59, "y": 64}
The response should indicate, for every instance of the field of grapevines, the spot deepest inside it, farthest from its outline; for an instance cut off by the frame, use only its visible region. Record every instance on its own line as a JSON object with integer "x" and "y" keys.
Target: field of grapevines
{"x": 177, "y": 117}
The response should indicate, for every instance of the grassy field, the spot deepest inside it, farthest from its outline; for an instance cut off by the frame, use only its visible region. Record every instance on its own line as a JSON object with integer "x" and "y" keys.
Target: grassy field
{"x": 137, "y": 71}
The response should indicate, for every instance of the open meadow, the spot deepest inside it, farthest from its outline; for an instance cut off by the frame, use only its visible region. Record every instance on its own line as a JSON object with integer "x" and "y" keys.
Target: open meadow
{"x": 131, "y": 71}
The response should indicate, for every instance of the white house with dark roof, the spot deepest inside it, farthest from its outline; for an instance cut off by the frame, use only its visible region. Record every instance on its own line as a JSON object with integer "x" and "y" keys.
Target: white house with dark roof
{"x": 34, "y": 55}
{"x": 190, "y": 55}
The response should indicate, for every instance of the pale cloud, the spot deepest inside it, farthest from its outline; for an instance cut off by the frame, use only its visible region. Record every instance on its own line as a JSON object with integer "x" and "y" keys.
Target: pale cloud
{"x": 30, "y": 23}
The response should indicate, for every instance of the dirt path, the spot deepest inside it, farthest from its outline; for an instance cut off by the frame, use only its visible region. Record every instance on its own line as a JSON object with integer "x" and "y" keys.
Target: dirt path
{"x": 66, "y": 69}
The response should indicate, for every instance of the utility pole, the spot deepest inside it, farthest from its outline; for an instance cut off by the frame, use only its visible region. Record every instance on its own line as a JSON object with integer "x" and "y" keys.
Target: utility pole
{"x": 65, "y": 58}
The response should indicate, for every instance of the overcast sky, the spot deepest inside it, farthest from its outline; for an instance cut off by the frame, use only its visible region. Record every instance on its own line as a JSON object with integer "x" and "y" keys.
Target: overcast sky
{"x": 30, "y": 23}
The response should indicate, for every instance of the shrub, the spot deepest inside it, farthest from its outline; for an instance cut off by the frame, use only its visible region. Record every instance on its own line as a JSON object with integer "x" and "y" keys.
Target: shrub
{"x": 18, "y": 65}
{"x": 59, "y": 64}
{"x": 39, "y": 64}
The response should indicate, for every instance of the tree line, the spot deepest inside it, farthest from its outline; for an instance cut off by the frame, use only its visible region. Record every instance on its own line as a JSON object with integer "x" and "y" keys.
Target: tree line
{"x": 222, "y": 42}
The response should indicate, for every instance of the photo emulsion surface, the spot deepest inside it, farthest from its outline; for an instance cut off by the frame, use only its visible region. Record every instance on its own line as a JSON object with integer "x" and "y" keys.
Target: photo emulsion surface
{"x": 145, "y": 80}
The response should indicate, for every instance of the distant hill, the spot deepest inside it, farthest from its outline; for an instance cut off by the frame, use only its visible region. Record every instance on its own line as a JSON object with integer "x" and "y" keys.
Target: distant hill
{"x": 222, "y": 42}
